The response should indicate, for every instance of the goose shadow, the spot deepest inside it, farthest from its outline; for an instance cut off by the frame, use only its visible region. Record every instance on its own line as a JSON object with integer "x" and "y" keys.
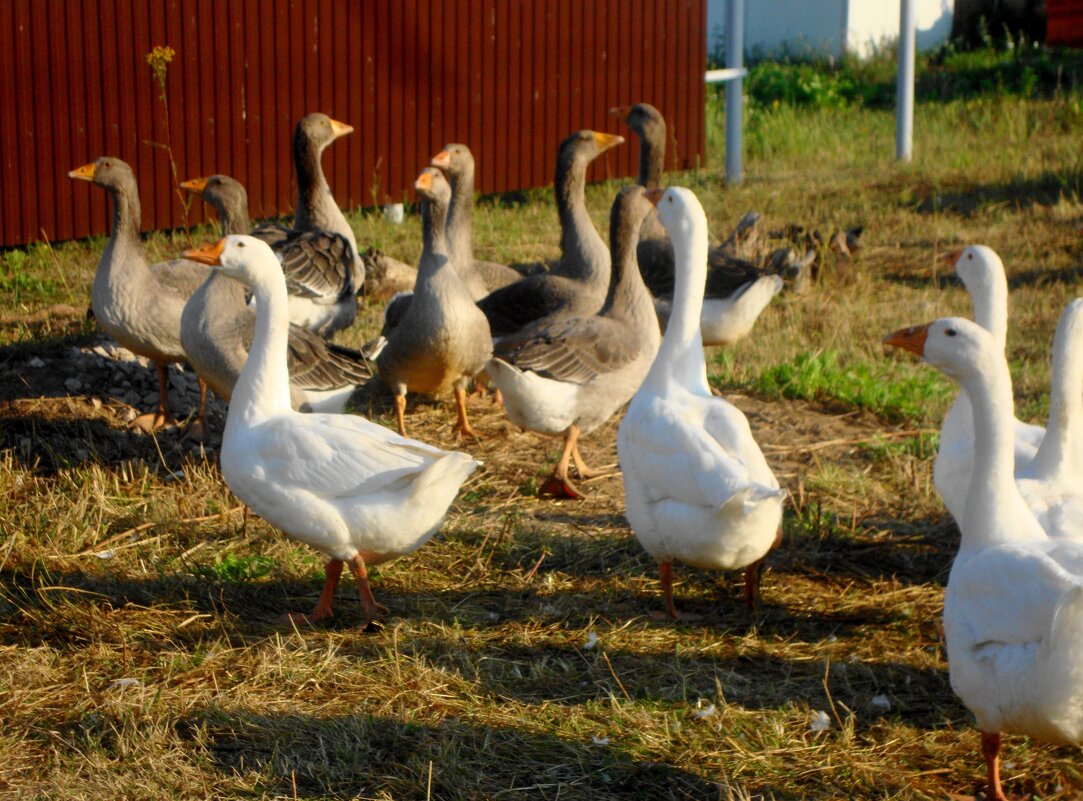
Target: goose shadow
{"x": 363, "y": 755}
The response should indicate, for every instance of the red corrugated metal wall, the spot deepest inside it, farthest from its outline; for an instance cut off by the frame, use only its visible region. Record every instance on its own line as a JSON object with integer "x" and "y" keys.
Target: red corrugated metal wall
{"x": 510, "y": 78}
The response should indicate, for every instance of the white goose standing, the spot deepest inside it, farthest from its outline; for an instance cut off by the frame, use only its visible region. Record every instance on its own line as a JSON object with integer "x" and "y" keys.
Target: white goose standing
{"x": 1052, "y": 483}
{"x": 349, "y": 488}
{"x": 697, "y": 488}
{"x": 982, "y": 272}
{"x": 1013, "y": 607}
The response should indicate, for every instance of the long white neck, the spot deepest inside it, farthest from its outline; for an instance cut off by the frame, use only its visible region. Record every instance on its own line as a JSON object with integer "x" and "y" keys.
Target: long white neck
{"x": 995, "y": 512}
{"x": 263, "y": 388}
{"x": 1061, "y": 451}
{"x": 990, "y": 299}
{"x": 681, "y": 353}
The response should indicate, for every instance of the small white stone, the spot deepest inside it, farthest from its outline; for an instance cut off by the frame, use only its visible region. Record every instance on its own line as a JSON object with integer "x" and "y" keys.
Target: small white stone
{"x": 881, "y": 703}
{"x": 36, "y": 362}
{"x": 705, "y": 712}
{"x": 591, "y": 641}
{"x": 819, "y": 721}
{"x": 599, "y": 740}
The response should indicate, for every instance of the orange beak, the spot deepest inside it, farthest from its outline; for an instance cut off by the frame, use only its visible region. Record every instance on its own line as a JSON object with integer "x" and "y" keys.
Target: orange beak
{"x": 654, "y": 195}
{"x": 911, "y": 339}
{"x": 84, "y": 173}
{"x": 195, "y": 185}
{"x": 604, "y": 141}
{"x": 952, "y": 256}
{"x": 423, "y": 182}
{"x": 621, "y": 111}
{"x": 207, "y": 254}
{"x": 442, "y": 160}
{"x": 340, "y": 128}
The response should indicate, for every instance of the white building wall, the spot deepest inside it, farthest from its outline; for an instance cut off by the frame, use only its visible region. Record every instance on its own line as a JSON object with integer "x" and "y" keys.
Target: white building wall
{"x": 827, "y": 27}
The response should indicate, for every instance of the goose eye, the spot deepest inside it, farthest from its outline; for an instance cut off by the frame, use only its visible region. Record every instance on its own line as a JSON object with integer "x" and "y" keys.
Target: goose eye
{"x": 241, "y": 245}
{"x": 950, "y": 332}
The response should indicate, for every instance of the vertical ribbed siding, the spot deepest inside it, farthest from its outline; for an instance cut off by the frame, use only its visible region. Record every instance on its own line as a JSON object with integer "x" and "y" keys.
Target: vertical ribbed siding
{"x": 510, "y": 78}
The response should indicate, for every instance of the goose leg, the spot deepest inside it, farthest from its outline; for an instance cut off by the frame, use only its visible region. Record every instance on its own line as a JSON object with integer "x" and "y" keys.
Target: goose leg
{"x": 581, "y": 466}
{"x": 462, "y": 425}
{"x": 990, "y": 749}
{"x": 369, "y": 608}
{"x": 558, "y": 483}
{"x": 752, "y": 585}
{"x": 665, "y": 576}
{"x": 152, "y": 421}
{"x": 400, "y": 414}
{"x": 327, "y": 596}
{"x": 198, "y": 429}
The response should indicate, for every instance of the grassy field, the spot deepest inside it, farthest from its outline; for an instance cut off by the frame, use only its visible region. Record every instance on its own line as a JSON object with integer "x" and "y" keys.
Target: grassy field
{"x": 141, "y": 650}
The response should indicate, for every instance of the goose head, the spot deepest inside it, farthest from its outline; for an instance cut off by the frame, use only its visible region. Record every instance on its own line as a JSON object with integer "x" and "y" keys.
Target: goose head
{"x": 106, "y": 171}
{"x": 679, "y": 211}
{"x": 243, "y": 258}
{"x": 431, "y": 185}
{"x": 221, "y": 191}
{"x": 582, "y": 147}
{"x": 955, "y": 346}
{"x": 643, "y": 118}
{"x": 318, "y": 130}
{"x": 979, "y": 267}
{"x": 455, "y": 159}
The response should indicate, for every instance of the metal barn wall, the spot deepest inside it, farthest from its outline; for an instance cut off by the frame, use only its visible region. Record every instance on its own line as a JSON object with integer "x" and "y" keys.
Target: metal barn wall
{"x": 510, "y": 78}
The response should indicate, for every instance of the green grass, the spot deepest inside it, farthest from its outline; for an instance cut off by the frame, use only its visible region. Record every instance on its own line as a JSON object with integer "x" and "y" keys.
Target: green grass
{"x": 141, "y": 650}
{"x": 893, "y": 391}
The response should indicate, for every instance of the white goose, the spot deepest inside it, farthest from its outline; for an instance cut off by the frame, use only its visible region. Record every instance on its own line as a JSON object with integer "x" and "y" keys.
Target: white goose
{"x": 697, "y": 488}
{"x": 1052, "y": 483}
{"x": 982, "y": 272}
{"x": 1013, "y": 607}
{"x": 349, "y": 488}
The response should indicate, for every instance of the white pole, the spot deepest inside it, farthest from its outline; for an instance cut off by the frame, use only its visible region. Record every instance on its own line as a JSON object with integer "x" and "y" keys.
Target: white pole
{"x": 735, "y": 54}
{"x": 904, "y": 101}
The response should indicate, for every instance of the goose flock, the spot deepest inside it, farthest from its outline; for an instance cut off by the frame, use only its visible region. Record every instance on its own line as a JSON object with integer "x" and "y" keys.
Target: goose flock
{"x": 568, "y": 345}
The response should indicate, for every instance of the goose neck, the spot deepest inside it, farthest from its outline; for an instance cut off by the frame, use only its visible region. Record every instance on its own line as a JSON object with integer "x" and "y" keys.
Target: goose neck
{"x": 434, "y": 241}
{"x": 263, "y": 390}
{"x": 995, "y": 511}
{"x": 652, "y": 157}
{"x": 1060, "y": 449}
{"x": 234, "y": 218}
{"x": 126, "y": 213}
{"x": 312, "y": 187}
{"x": 991, "y": 307}
{"x": 460, "y": 217}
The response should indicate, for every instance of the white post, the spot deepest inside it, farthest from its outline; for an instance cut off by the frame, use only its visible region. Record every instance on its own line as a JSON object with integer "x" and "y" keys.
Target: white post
{"x": 735, "y": 55}
{"x": 904, "y": 98}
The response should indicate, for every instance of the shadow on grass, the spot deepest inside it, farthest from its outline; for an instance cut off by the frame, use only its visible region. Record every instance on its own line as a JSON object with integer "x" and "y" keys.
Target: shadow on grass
{"x": 359, "y": 755}
{"x": 1045, "y": 190}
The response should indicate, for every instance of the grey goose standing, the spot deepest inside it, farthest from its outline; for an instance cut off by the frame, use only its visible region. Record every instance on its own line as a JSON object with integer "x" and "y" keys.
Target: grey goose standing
{"x": 568, "y": 375}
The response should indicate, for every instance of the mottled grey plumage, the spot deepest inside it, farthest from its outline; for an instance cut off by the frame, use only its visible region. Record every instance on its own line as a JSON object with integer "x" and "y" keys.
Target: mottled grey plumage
{"x": 443, "y": 339}
{"x": 576, "y": 285}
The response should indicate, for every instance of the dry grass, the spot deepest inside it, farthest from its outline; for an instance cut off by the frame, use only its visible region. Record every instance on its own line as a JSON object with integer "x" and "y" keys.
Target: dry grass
{"x": 141, "y": 654}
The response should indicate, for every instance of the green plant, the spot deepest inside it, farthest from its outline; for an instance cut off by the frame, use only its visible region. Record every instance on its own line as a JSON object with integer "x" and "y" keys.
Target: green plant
{"x": 159, "y": 59}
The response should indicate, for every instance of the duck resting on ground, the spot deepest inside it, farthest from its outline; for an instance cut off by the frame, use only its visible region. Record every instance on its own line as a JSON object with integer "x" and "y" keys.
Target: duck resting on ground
{"x": 1013, "y": 606}
{"x": 697, "y": 488}
{"x": 568, "y": 375}
{"x": 138, "y": 305}
{"x": 351, "y": 489}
